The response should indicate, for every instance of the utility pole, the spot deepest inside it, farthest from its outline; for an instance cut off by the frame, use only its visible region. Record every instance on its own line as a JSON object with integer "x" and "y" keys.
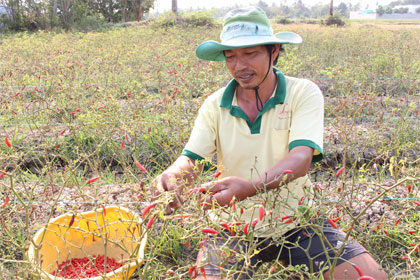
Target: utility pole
{"x": 175, "y": 6}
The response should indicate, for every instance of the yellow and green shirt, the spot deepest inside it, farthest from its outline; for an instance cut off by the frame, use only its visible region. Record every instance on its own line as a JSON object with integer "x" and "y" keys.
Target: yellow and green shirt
{"x": 293, "y": 116}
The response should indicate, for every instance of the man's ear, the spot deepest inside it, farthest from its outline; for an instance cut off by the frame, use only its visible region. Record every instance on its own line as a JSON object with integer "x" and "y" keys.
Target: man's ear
{"x": 276, "y": 50}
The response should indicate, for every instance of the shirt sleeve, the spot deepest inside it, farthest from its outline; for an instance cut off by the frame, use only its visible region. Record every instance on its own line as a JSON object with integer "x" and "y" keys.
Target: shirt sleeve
{"x": 202, "y": 141}
{"x": 307, "y": 124}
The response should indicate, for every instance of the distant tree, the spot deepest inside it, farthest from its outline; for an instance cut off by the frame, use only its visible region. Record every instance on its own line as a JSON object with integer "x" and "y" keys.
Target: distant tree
{"x": 418, "y": 10}
{"x": 343, "y": 9}
{"x": 299, "y": 10}
{"x": 266, "y": 8}
{"x": 404, "y": 2}
{"x": 284, "y": 10}
{"x": 320, "y": 10}
{"x": 388, "y": 10}
{"x": 401, "y": 10}
{"x": 356, "y": 7}
{"x": 380, "y": 10}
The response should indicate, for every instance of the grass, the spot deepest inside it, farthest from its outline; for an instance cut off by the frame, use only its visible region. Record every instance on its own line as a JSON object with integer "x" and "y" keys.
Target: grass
{"x": 77, "y": 106}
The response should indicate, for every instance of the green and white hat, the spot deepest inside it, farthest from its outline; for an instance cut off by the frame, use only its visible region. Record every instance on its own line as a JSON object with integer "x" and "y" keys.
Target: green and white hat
{"x": 242, "y": 28}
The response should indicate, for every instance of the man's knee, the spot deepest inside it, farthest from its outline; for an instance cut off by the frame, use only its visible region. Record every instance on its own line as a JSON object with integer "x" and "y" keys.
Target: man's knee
{"x": 365, "y": 264}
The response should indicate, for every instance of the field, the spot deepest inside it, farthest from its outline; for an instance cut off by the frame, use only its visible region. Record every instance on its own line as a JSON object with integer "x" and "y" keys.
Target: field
{"x": 81, "y": 106}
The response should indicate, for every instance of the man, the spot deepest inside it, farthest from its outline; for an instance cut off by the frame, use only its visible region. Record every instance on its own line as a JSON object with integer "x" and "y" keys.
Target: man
{"x": 266, "y": 129}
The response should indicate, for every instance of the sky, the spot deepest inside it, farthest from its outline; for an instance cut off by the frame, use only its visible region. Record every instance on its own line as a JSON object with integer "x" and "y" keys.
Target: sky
{"x": 165, "y": 5}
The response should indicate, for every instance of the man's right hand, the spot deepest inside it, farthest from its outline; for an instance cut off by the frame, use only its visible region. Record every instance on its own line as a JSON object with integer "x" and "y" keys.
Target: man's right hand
{"x": 174, "y": 179}
{"x": 167, "y": 182}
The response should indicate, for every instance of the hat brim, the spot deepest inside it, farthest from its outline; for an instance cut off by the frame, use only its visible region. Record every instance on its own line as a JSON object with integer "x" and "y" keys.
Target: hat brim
{"x": 212, "y": 50}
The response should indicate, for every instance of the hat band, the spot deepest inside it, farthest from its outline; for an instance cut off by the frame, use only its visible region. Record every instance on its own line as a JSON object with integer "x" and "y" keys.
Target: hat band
{"x": 241, "y": 29}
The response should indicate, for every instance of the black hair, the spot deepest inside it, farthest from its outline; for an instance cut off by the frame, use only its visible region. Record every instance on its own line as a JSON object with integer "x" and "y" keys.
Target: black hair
{"x": 270, "y": 49}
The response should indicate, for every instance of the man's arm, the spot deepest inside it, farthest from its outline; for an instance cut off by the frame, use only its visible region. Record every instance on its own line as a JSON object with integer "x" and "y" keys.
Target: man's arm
{"x": 298, "y": 161}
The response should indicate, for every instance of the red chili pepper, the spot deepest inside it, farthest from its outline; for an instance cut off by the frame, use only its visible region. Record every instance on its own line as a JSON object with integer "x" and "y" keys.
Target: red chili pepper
{"x": 300, "y": 200}
{"x": 141, "y": 167}
{"x": 386, "y": 233}
{"x": 86, "y": 267}
{"x": 188, "y": 244}
{"x": 284, "y": 217}
{"x": 416, "y": 202}
{"x": 261, "y": 212}
{"x": 147, "y": 209}
{"x": 358, "y": 269}
{"x": 409, "y": 188}
{"x": 203, "y": 272}
{"x": 288, "y": 221}
{"x": 411, "y": 231}
{"x": 92, "y": 180}
{"x": 336, "y": 219}
{"x": 122, "y": 145}
{"x": 126, "y": 139}
{"x": 404, "y": 258}
{"x": 104, "y": 209}
{"x": 204, "y": 204}
{"x": 191, "y": 269}
{"x": 397, "y": 221}
{"x": 210, "y": 231}
{"x": 332, "y": 223}
{"x": 202, "y": 189}
{"x": 6, "y": 140}
{"x": 246, "y": 228}
{"x": 1, "y": 175}
{"x": 6, "y": 201}
{"x": 339, "y": 172}
{"x": 254, "y": 222}
{"x": 218, "y": 173}
{"x": 287, "y": 171}
{"x": 226, "y": 226}
{"x": 150, "y": 222}
{"x": 272, "y": 269}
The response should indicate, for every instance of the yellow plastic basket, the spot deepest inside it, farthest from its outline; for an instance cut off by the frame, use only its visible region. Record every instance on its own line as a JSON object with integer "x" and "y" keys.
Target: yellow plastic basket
{"x": 114, "y": 231}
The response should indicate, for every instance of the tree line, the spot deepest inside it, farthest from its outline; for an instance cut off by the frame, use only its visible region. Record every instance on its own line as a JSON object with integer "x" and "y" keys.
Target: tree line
{"x": 48, "y": 14}
{"x": 85, "y": 14}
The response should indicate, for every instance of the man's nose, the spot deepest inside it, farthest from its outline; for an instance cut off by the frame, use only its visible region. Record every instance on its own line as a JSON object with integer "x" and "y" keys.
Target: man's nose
{"x": 241, "y": 64}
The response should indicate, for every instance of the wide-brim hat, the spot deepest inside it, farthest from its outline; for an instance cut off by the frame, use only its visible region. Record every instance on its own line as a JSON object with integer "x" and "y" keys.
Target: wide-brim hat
{"x": 242, "y": 28}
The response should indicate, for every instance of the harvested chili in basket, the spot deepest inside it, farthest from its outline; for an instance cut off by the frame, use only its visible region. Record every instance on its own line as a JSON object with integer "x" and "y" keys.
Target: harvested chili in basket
{"x": 77, "y": 268}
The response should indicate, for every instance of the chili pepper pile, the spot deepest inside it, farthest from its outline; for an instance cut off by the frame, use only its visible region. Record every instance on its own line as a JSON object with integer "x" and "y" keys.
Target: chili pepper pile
{"x": 86, "y": 267}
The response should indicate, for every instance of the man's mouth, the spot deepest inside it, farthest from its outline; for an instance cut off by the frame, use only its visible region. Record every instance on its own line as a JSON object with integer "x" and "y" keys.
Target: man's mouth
{"x": 245, "y": 77}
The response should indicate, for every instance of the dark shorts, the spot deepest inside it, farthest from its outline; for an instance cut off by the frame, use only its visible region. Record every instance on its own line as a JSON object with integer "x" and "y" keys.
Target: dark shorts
{"x": 237, "y": 258}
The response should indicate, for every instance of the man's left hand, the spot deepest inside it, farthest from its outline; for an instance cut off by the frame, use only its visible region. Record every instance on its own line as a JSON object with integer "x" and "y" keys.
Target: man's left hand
{"x": 224, "y": 190}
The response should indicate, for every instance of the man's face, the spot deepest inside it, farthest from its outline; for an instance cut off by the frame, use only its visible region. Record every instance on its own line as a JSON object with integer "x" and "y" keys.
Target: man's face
{"x": 248, "y": 66}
